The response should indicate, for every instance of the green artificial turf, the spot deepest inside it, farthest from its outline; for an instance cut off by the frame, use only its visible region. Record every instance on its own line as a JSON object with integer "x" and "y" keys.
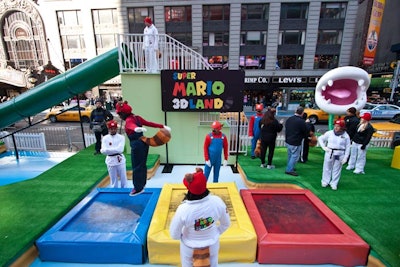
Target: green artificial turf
{"x": 30, "y": 207}
{"x": 369, "y": 203}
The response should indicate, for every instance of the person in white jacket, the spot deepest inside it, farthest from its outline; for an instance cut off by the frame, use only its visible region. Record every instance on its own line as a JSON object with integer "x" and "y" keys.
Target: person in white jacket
{"x": 198, "y": 222}
{"x": 150, "y": 46}
{"x": 113, "y": 145}
{"x": 336, "y": 144}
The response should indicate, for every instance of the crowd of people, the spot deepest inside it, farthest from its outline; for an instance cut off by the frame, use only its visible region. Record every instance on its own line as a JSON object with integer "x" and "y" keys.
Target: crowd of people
{"x": 347, "y": 143}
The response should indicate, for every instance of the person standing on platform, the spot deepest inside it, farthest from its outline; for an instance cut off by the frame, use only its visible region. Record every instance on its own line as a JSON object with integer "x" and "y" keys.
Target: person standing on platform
{"x": 214, "y": 144}
{"x": 254, "y": 128}
{"x": 336, "y": 144}
{"x": 113, "y": 145}
{"x": 358, "y": 151}
{"x": 98, "y": 120}
{"x": 270, "y": 127}
{"x": 150, "y": 46}
{"x": 295, "y": 132}
{"x": 198, "y": 223}
{"x": 139, "y": 150}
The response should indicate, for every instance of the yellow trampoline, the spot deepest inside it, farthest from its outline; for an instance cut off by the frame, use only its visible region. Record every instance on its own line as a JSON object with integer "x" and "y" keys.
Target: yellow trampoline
{"x": 237, "y": 244}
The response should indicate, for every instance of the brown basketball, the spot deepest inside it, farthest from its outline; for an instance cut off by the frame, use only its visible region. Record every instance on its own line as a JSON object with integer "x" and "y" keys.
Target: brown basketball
{"x": 160, "y": 138}
{"x": 257, "y": 151}
{"x": 313, "y": 140}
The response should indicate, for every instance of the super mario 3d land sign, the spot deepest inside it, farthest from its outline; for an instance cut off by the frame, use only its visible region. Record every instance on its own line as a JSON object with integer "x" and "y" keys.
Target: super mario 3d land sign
{"x": 202, "y": 90}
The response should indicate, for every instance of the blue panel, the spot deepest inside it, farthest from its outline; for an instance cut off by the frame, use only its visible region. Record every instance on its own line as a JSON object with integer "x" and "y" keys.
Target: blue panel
{"x": 107, "y": 226}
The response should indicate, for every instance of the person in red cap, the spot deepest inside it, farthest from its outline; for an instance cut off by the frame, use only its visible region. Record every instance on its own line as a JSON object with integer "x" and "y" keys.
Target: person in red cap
{"x": 198, "y": 222}
{"x": 336, "y": 144}
{"x": 139, "y": 150}
{"x": 214, "y": 143}
{"x": 254, "y": 128}
{"x": 150, "y": 46}
{"x": 113, "y": 145}
{"x": 361, "y": 138}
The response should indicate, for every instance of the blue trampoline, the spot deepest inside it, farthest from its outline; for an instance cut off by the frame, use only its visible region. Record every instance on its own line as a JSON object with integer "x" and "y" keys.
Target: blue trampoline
{"x": 107, "y": 226}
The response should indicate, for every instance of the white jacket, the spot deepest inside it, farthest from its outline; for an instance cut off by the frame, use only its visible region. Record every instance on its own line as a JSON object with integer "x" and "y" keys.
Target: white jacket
{"x": 195, "y": 222}
{"x": 150, "y": 39}
{"x": 113, "y": 145}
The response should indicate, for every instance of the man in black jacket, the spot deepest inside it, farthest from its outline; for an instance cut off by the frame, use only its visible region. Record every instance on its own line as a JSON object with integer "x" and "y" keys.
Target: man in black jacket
{"x": 295, "y": 132}
{"x": 351, "y": 121}
{"x": 98, "y": 119}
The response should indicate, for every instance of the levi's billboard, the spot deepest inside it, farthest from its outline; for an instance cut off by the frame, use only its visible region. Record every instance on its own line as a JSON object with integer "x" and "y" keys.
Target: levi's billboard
{"x": 202, "y": 90}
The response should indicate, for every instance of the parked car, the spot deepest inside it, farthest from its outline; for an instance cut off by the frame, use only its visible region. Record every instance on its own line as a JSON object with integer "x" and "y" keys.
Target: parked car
{"x": 70, "y": 113}
{"x": 387, "y": 128}
{"x": 316, "y": 115}
{"x": 382, "y": 111}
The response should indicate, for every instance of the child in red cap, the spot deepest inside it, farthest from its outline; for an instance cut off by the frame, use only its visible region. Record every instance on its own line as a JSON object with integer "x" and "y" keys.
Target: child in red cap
{"x": 113, "y": 145}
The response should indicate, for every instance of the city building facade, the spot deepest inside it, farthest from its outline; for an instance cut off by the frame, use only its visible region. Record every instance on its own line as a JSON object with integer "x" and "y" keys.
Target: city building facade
{"x": 283, "y": 46}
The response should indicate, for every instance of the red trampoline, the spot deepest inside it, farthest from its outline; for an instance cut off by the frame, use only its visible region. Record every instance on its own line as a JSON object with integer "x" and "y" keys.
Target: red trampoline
{"x": 295, "y": 227}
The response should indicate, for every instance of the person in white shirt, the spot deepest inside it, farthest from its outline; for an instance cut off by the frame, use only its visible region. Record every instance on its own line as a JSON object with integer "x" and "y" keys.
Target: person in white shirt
{"x": 198, "y": 222}
{"x": 336, "y": 144}
{"x": 150, "y": 46}
{"x": 113, "y": 145}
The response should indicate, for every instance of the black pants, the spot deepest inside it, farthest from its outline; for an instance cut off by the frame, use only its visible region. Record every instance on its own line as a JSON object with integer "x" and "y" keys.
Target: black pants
{"x": 270, "y": 145}
{"x": 98, "y": 138}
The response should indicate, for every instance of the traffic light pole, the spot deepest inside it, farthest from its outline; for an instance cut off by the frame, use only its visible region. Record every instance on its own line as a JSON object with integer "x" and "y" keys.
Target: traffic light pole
{"x": 395, "y": 81}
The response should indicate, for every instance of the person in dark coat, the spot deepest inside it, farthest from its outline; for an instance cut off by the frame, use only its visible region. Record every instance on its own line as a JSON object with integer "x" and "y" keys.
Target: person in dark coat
{"x": 306, "y": 142}
{"x": 295, "y": 132}
{"x": 351, "y": 120}
{"x": 98, "y": 119}
{"x": 269, "y": 129}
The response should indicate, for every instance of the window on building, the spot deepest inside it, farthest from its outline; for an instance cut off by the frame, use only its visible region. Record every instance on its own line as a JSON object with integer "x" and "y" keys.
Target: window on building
{"x": 333, "y": 10}
{"x": 69, "y": 18}
{"x": 183, "y": 37}
{"x": 218, "y": 62}
{"x": 71, "y": 33}
{"x": 178, "y": 14}
{"x": 23, "y": 41}
{"x": 253, "y": 38}
{"x": 216, "y": 12}
{"x": 105, "y": 23}
{"x": 252, "y": 62}
{"x": 290, "y": 62}
{"x": 255, "y": 11}
{"x": 105, "y": 16}
{"x": 294, "y": 11}
{"x": 73, "y": 42}
{"x": 215, "y": 39}
{"x": 330, "y": 37}
{"x": 292, "y": 37}
{"x": 326, "y": 61}
{"x": 136, "y": 18}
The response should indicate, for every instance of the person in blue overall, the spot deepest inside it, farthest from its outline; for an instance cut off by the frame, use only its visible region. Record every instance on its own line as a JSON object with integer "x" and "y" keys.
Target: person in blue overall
{"x": 214, "y": 143}
{"x": 254, "y": 129}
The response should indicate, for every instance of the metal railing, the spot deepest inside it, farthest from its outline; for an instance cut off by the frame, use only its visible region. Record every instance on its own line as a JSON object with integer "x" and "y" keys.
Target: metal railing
{"x": 172, "y": 55}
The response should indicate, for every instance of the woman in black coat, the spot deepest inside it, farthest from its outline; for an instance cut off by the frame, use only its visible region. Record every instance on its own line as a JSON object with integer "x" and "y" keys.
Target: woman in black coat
{"x": 270, "y": 127}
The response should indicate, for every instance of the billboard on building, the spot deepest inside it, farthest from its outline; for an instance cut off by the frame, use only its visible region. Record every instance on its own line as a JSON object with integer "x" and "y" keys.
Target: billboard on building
{"x": 373, "y": 32}
{"x": 202, "y": 90}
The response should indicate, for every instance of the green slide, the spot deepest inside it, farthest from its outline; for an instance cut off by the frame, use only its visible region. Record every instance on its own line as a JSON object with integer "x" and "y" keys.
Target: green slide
{"x": 62, "y": 87}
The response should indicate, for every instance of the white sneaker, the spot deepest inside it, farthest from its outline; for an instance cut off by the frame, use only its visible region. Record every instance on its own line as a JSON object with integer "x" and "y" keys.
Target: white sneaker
{"x": 270, "y": 167}
{"x": 333, "y": 187}
{"x": 349, "y": 168}
{"x": 262, "y": 165}
{"x": 324, "y": 185}
{"x": 358, "y": 172}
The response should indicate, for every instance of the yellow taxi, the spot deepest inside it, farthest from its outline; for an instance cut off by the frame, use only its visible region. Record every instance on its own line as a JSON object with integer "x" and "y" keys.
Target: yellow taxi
{"x": 316, "y": 115}
{"x": 387, "y": 128}
{"x": 70, "y": 113}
